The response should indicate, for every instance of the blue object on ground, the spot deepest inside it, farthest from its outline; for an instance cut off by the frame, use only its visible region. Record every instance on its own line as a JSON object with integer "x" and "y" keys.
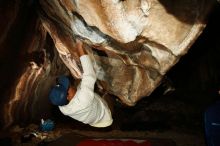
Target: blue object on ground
{"x": 47, "y": 125}
{"x": 212, "y": 125}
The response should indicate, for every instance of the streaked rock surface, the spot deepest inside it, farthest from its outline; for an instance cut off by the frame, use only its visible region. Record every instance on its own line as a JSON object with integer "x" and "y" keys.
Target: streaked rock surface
{"x": 133, "y": 43}
{"x": 139, "y": 40}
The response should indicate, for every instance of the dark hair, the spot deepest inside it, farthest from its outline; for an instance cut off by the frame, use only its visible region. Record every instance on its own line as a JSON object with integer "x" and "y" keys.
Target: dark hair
{"x": 73, "y": 82}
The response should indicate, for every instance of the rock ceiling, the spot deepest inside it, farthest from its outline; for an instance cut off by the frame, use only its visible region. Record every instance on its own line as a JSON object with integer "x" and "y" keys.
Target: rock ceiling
{"x": 140, "y": 40}
{"x": 132, "y": 43}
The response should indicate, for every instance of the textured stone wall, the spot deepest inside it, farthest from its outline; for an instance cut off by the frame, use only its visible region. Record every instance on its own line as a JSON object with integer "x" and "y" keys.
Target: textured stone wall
{"x": 132, "y": 43}
{"x": 139, "y": 40}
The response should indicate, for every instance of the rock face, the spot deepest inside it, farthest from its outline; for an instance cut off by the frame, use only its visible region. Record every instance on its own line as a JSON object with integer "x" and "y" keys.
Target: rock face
{"x": 139, "y": 40}
{"x": 132, "y": 43}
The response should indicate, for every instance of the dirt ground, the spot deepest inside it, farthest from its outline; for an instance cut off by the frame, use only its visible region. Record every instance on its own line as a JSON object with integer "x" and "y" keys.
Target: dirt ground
{"x": 69, "y": 136}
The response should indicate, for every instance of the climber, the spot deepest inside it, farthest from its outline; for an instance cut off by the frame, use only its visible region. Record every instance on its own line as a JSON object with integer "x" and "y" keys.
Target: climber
{"x": 81, "y": 102}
